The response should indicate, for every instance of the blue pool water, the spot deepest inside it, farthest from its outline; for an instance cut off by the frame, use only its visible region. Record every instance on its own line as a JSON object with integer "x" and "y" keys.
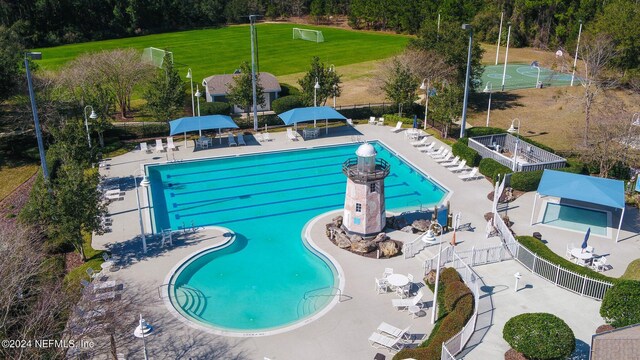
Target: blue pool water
{"x": 261, "y": 281}
{"x": 576, "y": 218}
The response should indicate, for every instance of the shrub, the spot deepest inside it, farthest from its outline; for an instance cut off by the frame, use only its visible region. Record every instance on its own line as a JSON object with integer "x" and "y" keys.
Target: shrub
{"x": 138, "y": 130}
{"x": 286, "y": 103}
{"x": 455, "y": 291}
{"x": 449, "y": 275}
{"x": 491, "y": 168}
{"x": 288, "y": 90}
{"x": 527, "y": 180}
{"x": 466, "y": 153}
{"x": 481, "y": 131}
{"x": 392, "y": 120}
{"x": 539, "y": 336}
{"x": 621, "y": 304}
{"x": 213, "y": 108}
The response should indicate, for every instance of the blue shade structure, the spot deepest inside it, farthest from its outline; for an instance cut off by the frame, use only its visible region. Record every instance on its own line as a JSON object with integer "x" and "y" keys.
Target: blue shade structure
{"x": 294, "y": 116}
{"x": 193, "y": 123}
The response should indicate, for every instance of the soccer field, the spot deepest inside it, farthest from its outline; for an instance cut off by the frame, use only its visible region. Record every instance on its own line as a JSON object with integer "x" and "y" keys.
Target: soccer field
{"x": 218, "y": 51}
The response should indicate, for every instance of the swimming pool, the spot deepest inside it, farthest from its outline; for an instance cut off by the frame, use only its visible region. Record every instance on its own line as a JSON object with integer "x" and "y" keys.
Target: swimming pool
{"x": 264, "y": 279}
{"x": 576, "y": 218}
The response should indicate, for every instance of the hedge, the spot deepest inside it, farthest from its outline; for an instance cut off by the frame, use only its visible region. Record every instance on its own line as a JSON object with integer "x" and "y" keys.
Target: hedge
{"x": 491, "y": 168}
{"x": 287, "y": 90}
{"x": 216, "y": 107}
{"x": 392, "y": 120}
{"x": 482, "y": 131}
{"x": 139, "y": 130}
{"x": 286, "y": 103}
{"x": 466, "y": 153}
{"x": 621, "y": 304}
{"x": 529, "y": 180}
{"x": 539, "y": 336}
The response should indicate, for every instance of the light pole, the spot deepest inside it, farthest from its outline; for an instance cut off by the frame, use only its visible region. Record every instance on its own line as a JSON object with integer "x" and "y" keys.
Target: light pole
{"x": 198, "y": 95}
{"x": 499, "y": 36}
{"x": 575, "y": 58}
{"x": 140, "y": 331}
{"x": 335, "y": 87}
{"x": 315, "y": 90}
{"x": 488, "y": 89}
{"x": 426, "y": 101}
{"x": 435, "y": 290}
{"x": 252, "y": 22}
{"x": 43, "y": 160}
{"x": 93, "y": 116}
{"x": 193, "y": 107}
{"x": 512, "y": 129}
{"x": 506, "y": 55}
{"x": 145, "y": 183}
{"x": 466, "y": 82}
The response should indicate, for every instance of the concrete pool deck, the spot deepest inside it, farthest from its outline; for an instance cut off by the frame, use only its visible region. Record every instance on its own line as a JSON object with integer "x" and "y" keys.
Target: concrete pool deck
{"x": 342, "y": 333}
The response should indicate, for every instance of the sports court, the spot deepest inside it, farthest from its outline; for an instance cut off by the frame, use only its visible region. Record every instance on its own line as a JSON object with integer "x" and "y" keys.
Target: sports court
{"x": 523, "y": 76}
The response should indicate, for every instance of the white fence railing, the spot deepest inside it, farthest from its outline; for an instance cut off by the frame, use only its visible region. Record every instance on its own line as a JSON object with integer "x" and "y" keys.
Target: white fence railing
{"x": 554, "y": 273}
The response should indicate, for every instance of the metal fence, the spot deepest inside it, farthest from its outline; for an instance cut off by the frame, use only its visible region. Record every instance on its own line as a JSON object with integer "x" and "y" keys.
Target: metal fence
{"x": 567, "y": 279}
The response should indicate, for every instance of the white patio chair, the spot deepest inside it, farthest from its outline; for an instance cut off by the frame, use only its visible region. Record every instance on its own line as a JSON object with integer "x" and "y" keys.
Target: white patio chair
{"x": 405, "y": 303}
{"x": 393, "y": 331}
{"x": 381, "y": 121}
{"x": 144, "y": 147}
{"x": 589, "y": 249}
{"x": 599, "y": 264}
{"x": 170, "y": 144}
{"x": 382, "y": 286}
{"x": 568, "y": 253}
{"x": 380, "y": 341}
{"x": 387, "y": 272}
{"x": 372, "y": 120}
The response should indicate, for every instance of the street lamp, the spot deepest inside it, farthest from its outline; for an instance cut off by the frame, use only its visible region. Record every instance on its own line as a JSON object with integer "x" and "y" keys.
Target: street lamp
{"x": 466, "y": 82}
{"x": 315, "y": 90}
{"x": 435, "y": 290}
{"x": 499, "y": 36}
{"x": 335, "y": 87}
{"x": 193, "y": 108}
{"x": 144, "y": 183}
{"x": 506, "y": 55}
{"x": 488, "y": 89}
{"x": 575, "y": 58}
{"x": 141, "y": 331}
{"x": 93, "y": 116}
{"x": 43, "y": 160}
{"x": 426, "y": 101}
{"x": 513, "y": 129}
{"x": 198, "y": 95}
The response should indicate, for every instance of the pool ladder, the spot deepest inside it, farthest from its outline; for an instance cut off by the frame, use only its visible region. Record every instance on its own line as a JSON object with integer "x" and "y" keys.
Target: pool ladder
{"x": 308, "y": 304}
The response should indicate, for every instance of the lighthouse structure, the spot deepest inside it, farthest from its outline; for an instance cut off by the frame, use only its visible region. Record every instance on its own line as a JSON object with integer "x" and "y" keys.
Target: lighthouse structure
{"x": 364, "y": 208}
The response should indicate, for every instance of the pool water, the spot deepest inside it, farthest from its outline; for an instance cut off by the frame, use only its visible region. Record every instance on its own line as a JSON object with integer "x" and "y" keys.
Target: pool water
{"x": 576, "y": 218}
{"x": 268, "y": 278}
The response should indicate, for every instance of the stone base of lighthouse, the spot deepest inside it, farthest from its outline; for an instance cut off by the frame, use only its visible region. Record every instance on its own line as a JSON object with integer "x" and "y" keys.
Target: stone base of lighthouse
{"x": 364, "y": 208}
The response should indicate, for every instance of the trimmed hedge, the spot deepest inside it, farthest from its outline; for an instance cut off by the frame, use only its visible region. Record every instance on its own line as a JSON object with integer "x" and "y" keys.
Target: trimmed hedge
{"x": 491, "y": 168}
{"x": 392, "y": 120}
{"x": 466, "y": 153}
{"x": 287, "y": 90}
{"x": 526, "y": 180}
{"x": 621, "y": 304}
{"x": 449, "y": 275}
{"x": 287, "y": 103}
{"x": 139, "y": 130}
{"x": 539, "y": 336}
{"x": 216, "y": 107}
{"x": 455, "y": 292}
{"x": 482, "y": 131}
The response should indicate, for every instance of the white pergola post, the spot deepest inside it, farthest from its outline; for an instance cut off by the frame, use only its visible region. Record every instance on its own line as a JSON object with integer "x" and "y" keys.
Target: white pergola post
{"x": 620, "y": 225}
{"x": 533, "y": 210}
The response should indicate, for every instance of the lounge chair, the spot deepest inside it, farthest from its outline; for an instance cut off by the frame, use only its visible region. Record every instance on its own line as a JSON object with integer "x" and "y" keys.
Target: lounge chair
{"x": 350, "y": 122}
{"x": 393, "y": 331}
{"x": 114, "y": 195}
{"x": 472, "y": 175}
{"x": 144, "y": 147}
{"x": 232, "y": 141}
{"x": 398, "y": 127}
{"x": 98, "y": 285}
{"x": 292, "y": 136}
{"x": 267, "y": 137}
{"x": 405, "y": 303}
{"x": 381, "y": 121}
{"x": 423, "y": 142}
{"x": 445, "y": 158}
{"x": 438, "y": 153}
{"x": 453, "y": 162}
{"x": 92, "y": 274}
{"x": 380, "y": 341}
{"x": 170, "y": 145}
{"x": 428, "y": 148}
{"x": 241, "y": 140}
{"x": 462, "y": 166}
{"x": 159, "y": 146}
{"x": 372, "y": 120}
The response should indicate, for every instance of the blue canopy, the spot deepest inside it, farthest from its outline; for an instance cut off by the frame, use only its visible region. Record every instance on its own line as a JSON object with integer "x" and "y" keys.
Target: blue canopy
{"x": 607, "y": 192}
{"x": 193, "y": 123}
{"x": 310, "y": 114}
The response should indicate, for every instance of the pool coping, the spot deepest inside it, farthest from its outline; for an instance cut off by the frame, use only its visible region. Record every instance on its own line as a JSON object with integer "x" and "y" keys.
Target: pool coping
{"x": 543, "y": 208}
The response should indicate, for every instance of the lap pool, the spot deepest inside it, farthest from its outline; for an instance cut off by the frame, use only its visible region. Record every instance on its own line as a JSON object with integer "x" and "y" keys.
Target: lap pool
{"x": 269, "y": 278}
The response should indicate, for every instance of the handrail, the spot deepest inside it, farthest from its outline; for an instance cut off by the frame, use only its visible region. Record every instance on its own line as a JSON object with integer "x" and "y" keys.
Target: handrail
{"x": 339, "y": 292}
{"x": 350, "y": 169}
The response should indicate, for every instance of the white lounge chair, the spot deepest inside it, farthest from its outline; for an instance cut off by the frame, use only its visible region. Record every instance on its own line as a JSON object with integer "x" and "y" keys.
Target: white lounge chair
{"x": 462, "y": 166}
{"x": 445, "y": 158}
{"x": 232, "y": 141}
{"x": 241, "y": 140}
{"x": 427, "y": 148}
{"x": 350, "y": 122}
{"x": 292, "y": 135}
{"x": 472, "y": 175}
{"x": 144, "y": 147}
{"x": 381, "y": 121}
{"x": 405, "y": 303}
{"x": 382, "y": 286}
{"x": 422, "y": 142}
{"x": 159, "y": 146}
{"x": 398, "y": 127}
{"x": 380, "y": 341}
{"x": 114, "y": 194}
{"x": 92, "y": 274}
{"x": 372, "y": 120}
{"x": 393, "y": 331}
{"x": 438, "y": 153}
{"x": 258, "y": 137}
{"x": 170, "y": 145}
{"x": 453, "y": 162}
{"x": 267, "y": 137}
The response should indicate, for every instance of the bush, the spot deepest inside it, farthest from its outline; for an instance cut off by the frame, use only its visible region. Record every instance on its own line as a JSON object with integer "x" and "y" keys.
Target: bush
{"x": 286, "y": 103}
{"x": 392, "y": 120}
{"x": 527, "y": 180}
{"x": 213, "y": 108}
{"x": 539, "y": 336}
{"x": 491, "y": 168}
{"x": 481, "y": 131}
{"x": 137, "y": 131}
{"x": 621, "y": 304}
{"x": 449, "y": 275}
{"x": 454, "y": 292}
{"x": 288, "y": 90}
{"x": 466, "y": 153}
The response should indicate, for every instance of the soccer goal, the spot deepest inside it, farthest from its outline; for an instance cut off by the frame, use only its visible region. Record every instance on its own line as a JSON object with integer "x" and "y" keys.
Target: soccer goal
{"x": 309, "y": 35}
{"x": 155, "y": 56}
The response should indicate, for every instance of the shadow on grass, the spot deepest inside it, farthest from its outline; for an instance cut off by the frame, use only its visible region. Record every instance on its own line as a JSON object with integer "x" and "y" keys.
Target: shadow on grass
{"x": 499, "y": 101}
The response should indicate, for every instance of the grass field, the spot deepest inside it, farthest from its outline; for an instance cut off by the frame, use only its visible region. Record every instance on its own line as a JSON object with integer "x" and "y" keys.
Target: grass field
{"x": 217, "y": 51}
{"x": 13, "y": 176}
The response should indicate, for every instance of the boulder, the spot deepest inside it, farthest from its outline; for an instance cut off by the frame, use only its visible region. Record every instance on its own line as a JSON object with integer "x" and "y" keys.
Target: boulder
{"x": 421, "y": 225}
{"x": 380, "y": 237}
{"x": 390, "y": 222}
{"x": 337, "y": 221}
{"x": 363, "y": 246}
{"x": 407, "y": 229}
{"x": 400, "y": 222}
{"x": 342, "y": 240}
{"x": 388, "y": 248}
{"x": 430, "y": 278}
{"x": 355, "y": 238}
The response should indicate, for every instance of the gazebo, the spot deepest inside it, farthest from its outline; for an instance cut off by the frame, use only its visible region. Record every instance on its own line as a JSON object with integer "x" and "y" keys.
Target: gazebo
{"x": 584, "y": 188}
{"x": 294, "y": 116}
{"x": 193, "y": 123}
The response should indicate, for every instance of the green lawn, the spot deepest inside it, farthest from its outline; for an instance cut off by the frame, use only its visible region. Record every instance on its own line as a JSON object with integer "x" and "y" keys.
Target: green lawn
{"x": 215, "y": 51}
{"x": 14, "y": 176}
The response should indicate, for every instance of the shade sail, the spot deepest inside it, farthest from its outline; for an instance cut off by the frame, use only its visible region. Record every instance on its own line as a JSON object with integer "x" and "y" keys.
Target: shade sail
{"x": 607, "y": 192}
{"x": 194, "y": 123}
{"x": 310, "y": 114}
